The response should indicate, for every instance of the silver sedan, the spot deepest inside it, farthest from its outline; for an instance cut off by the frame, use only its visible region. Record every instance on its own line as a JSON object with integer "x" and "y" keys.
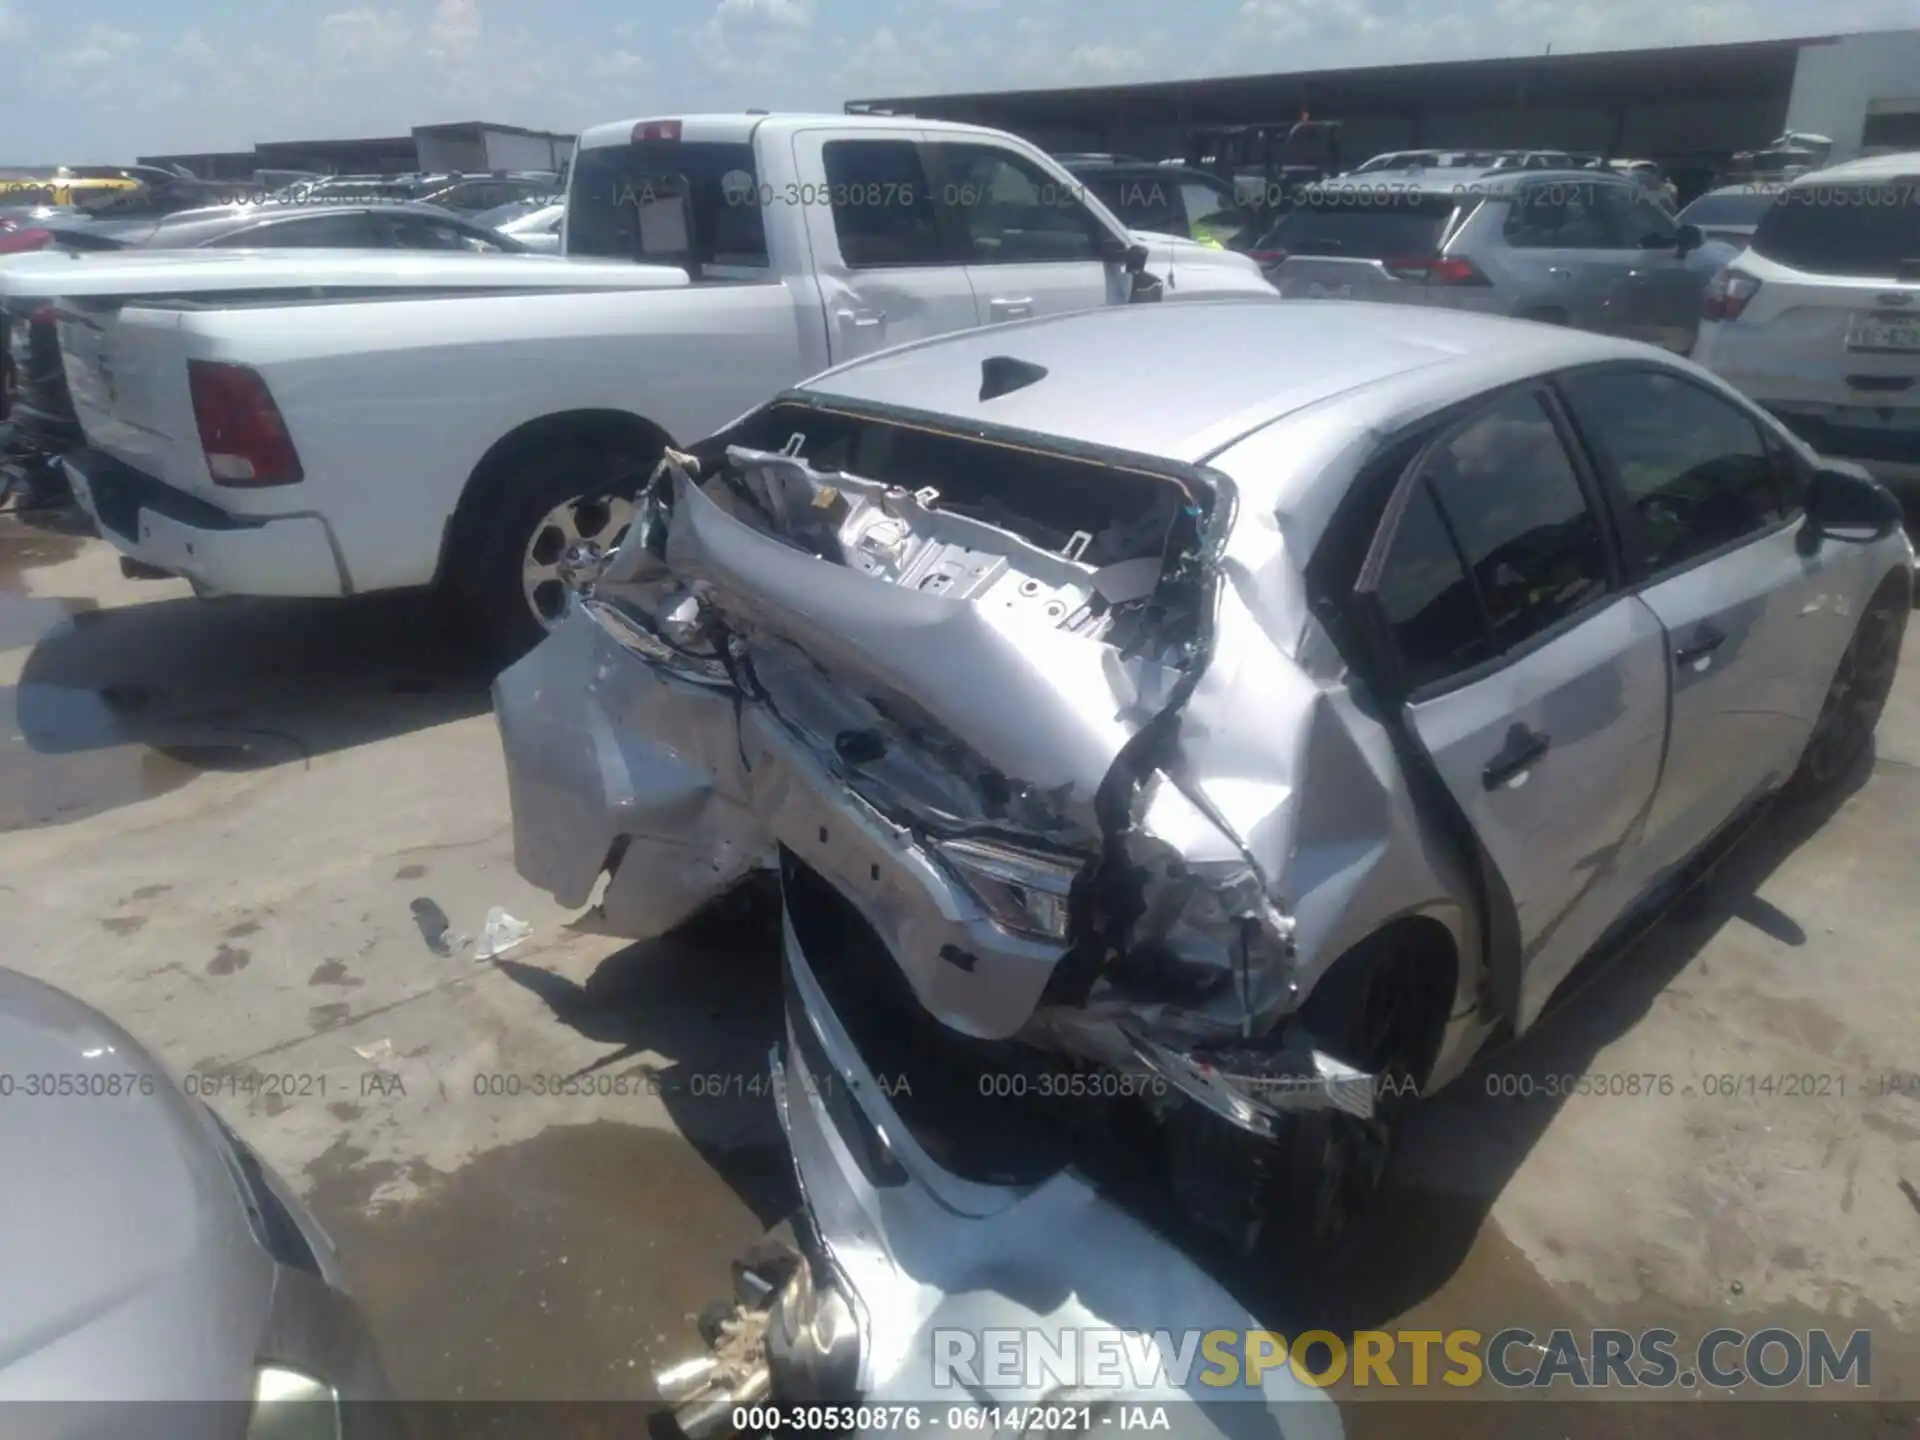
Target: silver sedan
{"x": 1182, "y": 768}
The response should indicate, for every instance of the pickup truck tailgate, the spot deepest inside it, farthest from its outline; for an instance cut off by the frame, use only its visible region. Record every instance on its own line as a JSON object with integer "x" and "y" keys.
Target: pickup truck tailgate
{"x": 129, "y": 390}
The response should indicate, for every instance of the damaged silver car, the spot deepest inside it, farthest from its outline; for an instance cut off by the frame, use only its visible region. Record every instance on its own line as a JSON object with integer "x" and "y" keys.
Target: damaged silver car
{"x": 1184, "y": 767}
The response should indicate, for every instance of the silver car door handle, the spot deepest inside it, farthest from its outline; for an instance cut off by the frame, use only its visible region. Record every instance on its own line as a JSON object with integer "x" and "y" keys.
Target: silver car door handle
{"x": 1011, "y": 308}
{"x": 1559, "y": 272}
{"x": 1705, "y": 641}
{"x": 1523, "y": 747}
{"x": 864, "y": 319}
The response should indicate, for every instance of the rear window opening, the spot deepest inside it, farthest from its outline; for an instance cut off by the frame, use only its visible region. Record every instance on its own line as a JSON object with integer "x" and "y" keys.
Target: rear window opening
{"x": 1861, "y": 229}
{"x": 1363, "y": 227}
{"x": 1742, "y": 208}
{"x": 695, "y": 205}
{"x": 1044, "y": 499}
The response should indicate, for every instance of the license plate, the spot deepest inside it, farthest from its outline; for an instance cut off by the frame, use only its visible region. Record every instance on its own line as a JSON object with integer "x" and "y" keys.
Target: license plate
{"x": 1318, "y": 291}
{"x": 1876, "y": 332}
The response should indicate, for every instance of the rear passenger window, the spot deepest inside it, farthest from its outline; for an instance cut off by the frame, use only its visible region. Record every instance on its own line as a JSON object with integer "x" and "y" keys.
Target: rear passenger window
{"x": 883, "y": 210}
{"x": 1559, "y": 215}
{"x": 1423, "y": 589}
{"x": 1696, "y": 471}
{"x": 1496, "y": 544}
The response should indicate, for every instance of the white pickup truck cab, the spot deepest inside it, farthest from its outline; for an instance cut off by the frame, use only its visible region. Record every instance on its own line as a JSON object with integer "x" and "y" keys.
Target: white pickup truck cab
{"x": 491, "y": 443}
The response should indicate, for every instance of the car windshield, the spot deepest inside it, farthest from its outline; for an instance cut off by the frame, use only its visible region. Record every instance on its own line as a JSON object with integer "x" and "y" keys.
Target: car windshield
{"x": 1361, "y": 228}
{"x": 1869, "y": 229}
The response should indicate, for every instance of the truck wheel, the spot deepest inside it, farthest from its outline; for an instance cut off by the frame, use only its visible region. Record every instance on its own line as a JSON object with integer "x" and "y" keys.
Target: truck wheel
{"x": 1856, "y": 696}
{"x": 555, "y": 522}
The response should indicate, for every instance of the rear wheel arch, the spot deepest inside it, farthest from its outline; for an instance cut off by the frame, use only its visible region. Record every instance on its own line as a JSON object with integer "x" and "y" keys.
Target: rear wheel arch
{"x": 1423, "y": 950}
{"x": 623, "y": 434}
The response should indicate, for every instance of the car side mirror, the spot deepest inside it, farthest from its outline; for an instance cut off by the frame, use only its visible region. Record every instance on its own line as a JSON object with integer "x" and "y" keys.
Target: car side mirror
{"x": 1846, "y": 504}
{"x": 1146, "y": 289}
{"x": 1689, "y": 239}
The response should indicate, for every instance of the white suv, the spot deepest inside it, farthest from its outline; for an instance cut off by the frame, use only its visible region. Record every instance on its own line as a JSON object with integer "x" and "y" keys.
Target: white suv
{"x": 1819, "y": 320}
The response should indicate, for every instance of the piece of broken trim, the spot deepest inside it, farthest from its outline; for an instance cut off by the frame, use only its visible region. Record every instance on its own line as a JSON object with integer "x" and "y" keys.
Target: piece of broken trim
{"x": 1301, "y": 1080}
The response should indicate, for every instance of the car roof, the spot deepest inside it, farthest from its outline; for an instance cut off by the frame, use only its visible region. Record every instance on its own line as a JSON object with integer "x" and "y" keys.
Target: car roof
{"x": 738, "y": 127}
{"x": 1182, "y": 381}
{"x": 1898, "y": 166}
{"x": 1151, "y": 168}
{"x": 217, "y": 219}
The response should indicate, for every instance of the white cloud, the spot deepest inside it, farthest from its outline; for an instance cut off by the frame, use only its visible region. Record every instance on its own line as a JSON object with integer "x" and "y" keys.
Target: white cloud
{"x": 765, "y": 14}
{"x": 618, "y": 65}
{"x": 753, "y": 39}
{"x": 1105, "y": 62}
{"x": 101, "y": 46}
{"x": 454, "y": 30}
{"x": 193, "y": 49}
{"x": 365, "y": 33}
{"x": 883, "y": 64}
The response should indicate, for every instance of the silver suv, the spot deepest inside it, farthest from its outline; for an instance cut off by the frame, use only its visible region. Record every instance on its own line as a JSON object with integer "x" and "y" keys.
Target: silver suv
{"x": 1222, "y": 752}
{"x": 1575, "y": 247}
{"x": 1819, "y": 320}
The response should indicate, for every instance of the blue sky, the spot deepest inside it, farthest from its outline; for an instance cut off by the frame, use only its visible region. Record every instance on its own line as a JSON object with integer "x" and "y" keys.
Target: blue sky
{"x": 93, "y": 81}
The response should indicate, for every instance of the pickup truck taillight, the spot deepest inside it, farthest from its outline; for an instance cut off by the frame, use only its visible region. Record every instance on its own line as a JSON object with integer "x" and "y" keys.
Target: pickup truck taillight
{"x": 1727, "y": 295}
{"x": 245, "y": 439}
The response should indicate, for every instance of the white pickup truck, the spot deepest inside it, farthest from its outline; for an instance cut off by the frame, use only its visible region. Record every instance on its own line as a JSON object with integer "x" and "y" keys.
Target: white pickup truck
{"x": 490, "y": 443}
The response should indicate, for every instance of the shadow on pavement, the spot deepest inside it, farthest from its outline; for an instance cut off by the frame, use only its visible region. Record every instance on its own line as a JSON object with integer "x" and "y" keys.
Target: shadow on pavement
{"x": 704, "y": 1000}
{"x": 137, "y": 700}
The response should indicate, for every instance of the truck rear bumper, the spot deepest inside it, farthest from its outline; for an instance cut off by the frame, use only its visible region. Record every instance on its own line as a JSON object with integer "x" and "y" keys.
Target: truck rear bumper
{"x": 225, "y": 554}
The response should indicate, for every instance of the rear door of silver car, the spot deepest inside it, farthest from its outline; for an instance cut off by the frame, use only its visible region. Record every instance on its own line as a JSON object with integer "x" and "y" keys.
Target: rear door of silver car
{"x": 1709, "y": 504}
{"x": 1660, "y": 301}
{"x": 1535, "y": 686}
{"x": 1556, "y": 255}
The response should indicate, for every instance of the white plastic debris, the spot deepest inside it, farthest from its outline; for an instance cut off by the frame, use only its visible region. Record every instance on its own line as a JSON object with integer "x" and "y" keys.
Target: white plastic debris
{"x": 376, "y": 1052}
{"x": 501, "y": 933}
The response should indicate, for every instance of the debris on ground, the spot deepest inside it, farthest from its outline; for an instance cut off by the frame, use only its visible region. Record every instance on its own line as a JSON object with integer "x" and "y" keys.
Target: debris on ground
{"x": 501, "y": 933}
{"x": 377, "y": 1053}
{"x": 433, "y": 924}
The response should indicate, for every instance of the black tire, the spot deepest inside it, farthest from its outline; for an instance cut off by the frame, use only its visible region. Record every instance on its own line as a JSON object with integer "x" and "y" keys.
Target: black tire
{"x": 503, "y": 527}
{"x": 1856, "y": 696}
{"x": 1377, "y": 1009}
{"x": 1312, "y": 1193}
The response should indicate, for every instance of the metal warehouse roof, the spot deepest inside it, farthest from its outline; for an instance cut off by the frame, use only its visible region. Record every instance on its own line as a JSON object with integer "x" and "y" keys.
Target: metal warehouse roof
{"x": 1697, "y": 72}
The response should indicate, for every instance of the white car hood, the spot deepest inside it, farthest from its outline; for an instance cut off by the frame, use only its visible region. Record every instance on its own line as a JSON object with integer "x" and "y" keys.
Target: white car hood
{"x": 174, "y": 272}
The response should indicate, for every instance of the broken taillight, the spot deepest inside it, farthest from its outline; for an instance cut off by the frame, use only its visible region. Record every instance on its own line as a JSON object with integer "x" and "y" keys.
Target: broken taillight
{"x": 245, "y": 440}
{"x": 1727, "y": 295}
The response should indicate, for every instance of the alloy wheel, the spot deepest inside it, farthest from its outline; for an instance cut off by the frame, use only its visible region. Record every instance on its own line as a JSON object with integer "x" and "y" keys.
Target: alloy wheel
{"x": 569, "y": 549}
